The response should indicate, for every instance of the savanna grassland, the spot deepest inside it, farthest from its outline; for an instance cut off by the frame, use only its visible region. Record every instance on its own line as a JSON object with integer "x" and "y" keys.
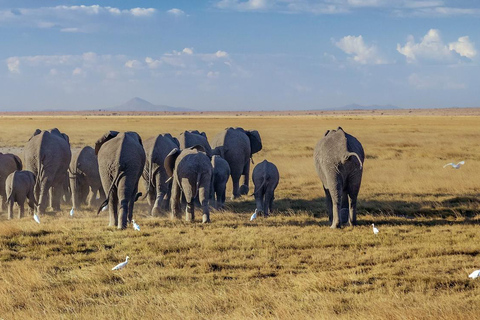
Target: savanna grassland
{"x": 289, "y": 266}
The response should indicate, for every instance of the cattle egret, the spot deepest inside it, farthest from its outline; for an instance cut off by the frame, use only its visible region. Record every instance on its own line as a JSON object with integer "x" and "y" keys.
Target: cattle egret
{"x": 121, "y": 265}
{"x": 455, "y": 166}
{"x": 135, "y": 226}
{"x": 375, "y": 230}
{"x": 71, "y": 212}
{"x": 474, "y": 274}
{"x": 36, "y": 218}
{"x": 254, "y": 215}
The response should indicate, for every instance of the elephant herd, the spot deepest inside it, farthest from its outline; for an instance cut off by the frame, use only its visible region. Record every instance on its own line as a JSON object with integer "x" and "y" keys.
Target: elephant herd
{"x": 177, "y": 171}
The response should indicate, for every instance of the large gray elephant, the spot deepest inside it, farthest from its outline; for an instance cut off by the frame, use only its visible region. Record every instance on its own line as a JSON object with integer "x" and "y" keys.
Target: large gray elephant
{"x": 237, "y": 146}
{"x": 221, "y": 172}
{"x": 85, "y": 182}
{"x": 191, "y": 172}
{"x": 339, "y": 160}
{"x": 191, "y": 138}
{"x": 48, "y": 155}
{"x": 20, "y": 186}
{"x": 154, "y": 174}
{"x": 8, "y": 164}
{"x": 121, "y": 160}
{"x": 265, "y": 178}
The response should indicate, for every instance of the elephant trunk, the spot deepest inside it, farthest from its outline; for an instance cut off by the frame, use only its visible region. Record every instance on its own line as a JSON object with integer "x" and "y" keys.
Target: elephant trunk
{"x": 354, "y": 154}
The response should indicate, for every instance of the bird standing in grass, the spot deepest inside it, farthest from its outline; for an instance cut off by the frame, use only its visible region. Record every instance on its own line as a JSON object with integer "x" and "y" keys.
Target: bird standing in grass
{"x": 455, "y": 166}
{"x": 136, "y": 227}
{"x": 254, "y": 215}
{"x": 474, "y": 274}
{"x": 71, "y": 212}
{"x": 36, "y": 218}
{"x": 121, "y": 265}
{"x": 375, "y": 230}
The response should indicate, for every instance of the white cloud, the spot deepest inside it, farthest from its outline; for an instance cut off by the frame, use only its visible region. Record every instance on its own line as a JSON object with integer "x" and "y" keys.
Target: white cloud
{"x": 213, "y": 74}
{"x": 245, "y": 5}
{"x": 320, "y": 7}
{"x": 69, "y": 18}
{"x": 152, "y": 63}
{"x": 176, "y": 12}
{"x": 463, "y": 47}
{"x": 356, "y": 47}
{"x": 221, "y": 54}
{"x": 133, "y": 64}
{"x": 188, "y": 50}
{"x": 142, "y": 12}
{"x": 13, "y": 64}
{"x": 77, "y": 71}
{"x": 432, "y": 48}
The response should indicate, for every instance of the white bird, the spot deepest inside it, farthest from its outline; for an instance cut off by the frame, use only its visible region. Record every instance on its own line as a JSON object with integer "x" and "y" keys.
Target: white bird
{"x": 36, "y": 218}
{"x": 135, "y": 226}
{"x": 254, "y": 215}
{"x": 121, "y": 265}
{"x": 474, "y": 274}
{"x": 105, "y": 208}
{"x": 455, "y": 166}
{"x": 375, "y": 230}
{"x": 71, "y": 212}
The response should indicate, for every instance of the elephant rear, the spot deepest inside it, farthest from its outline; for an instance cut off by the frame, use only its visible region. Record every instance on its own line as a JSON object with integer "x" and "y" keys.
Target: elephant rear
{"x": 265, "y": 178}
{"x": 19, "y": 186}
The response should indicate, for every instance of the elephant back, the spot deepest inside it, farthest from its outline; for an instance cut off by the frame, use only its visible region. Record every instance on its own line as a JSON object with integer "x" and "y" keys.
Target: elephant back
{"x": 192, "y": 138}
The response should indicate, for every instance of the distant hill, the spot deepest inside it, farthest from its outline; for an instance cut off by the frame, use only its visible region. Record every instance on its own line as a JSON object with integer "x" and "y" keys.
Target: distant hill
{"x": 139, "y": 104}
{"x": 355, "y": 106}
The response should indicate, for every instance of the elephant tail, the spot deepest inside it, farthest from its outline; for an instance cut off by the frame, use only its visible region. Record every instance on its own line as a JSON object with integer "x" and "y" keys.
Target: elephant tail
{"x": 40, "y": 173}
{"x": 114, "y": 183}
{"x": 197, "y": 186}
{"x": 354, "y": 154}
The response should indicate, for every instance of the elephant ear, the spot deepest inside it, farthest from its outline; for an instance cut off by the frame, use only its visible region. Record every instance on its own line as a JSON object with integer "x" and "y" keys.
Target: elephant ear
{"x": 136, "y": 135}
{"x": 65, "y": 136}
{"x": 175, "y": 140}
{"x": 169, "y": 162}
{"x": 198, "y": 148}
{"x": 255, "y": 140}
{"x": 18, "y": 162}
{"x": 327, "y": 132}
{"x": 36, "y": 133}
{"x": 107, "y": 136}
{"x": 203, "y": 134}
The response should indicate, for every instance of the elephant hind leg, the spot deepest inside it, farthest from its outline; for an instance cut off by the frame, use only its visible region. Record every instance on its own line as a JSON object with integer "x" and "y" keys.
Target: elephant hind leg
{"x": 328, "y": 199}
{"x": 175, "y": 200}
{"x": 203, "y": 195}
{"x": 10, "y": 208}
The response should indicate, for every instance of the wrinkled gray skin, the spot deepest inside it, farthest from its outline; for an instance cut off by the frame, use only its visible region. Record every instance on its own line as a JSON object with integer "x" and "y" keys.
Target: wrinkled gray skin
{"x": 237, "y": 146}
{"x": 48, "y": 155}
{"x": 265, "y": 178}
{"x": 121, "y": 160}
{"x": 339, "y": 160}
{"x": 8, "y": 164}
{"x": 20, "y": 186}
{"x": 221, "y": 172}
{"x": 192, "y": 138}
{"x": 191, "y": 172}
{"x": 85, "y": 180}
{"x": 154, "y": 174}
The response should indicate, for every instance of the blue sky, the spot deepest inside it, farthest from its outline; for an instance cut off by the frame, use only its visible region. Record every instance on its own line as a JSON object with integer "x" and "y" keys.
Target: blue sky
{"x": 238, "y": 54}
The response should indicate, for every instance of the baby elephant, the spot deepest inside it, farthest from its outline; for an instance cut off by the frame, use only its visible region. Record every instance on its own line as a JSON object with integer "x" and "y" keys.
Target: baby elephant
{"x": 221, "y": 172}
{"x": 265, "y": 178}
{"x": 19, "y": 186}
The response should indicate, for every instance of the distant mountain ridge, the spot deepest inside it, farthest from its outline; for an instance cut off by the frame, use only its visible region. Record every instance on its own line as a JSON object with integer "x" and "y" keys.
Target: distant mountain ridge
{"x": 139, "y": 104}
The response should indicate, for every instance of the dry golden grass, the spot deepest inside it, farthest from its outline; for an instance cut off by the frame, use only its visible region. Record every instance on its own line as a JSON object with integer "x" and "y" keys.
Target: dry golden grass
{"x": 291, "y": 265}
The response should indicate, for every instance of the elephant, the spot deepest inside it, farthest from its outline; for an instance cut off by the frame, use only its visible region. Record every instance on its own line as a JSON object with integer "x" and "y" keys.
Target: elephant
{"x": 8, "y": 164}
{"x": 339, "y": 159}
{"x": 265, "y": 178}
{"x": 121, "y": 160}
{"x": 191, "y": 172}
{"x": 48, "y": 155}
{"x": 20, "y": 185}
{"x": 154, "y": 174}
{"x": 85, "y": 180}
{"x": 237, "y": 146}
{"x": 221, "y": 172}
{"x": 193, "y": 138}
